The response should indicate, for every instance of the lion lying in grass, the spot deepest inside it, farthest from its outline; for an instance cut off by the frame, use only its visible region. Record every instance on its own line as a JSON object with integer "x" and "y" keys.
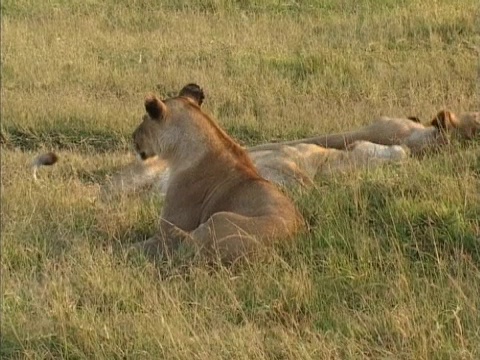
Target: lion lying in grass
{"x": 300, "y": 164}
{"x": 399, "y": 131}
{"x": 216, "y": 202}
{"x": 286, "y": 165}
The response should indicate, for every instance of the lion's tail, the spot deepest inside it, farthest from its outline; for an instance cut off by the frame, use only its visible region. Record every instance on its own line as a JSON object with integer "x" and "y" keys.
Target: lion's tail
{"x": 46, "y": 159}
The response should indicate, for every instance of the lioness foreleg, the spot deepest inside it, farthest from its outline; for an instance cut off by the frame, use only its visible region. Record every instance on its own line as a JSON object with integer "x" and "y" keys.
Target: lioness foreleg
{"x": 163, "y": 243}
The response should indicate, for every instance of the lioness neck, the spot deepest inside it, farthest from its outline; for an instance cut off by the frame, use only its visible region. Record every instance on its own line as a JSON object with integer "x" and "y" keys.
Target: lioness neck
{"x": 209, "y": 142}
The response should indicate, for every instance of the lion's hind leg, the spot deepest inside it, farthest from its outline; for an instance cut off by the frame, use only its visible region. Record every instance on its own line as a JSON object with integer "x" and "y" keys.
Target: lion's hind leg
{"x": 228, "y": 237}
{"x": 225, "y": 237}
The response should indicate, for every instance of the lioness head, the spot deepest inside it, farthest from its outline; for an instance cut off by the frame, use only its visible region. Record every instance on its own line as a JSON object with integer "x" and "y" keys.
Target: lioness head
{"x": 162, "y": 128}
{"x": 466, "y": 126}
{"x": 469, "y": 125}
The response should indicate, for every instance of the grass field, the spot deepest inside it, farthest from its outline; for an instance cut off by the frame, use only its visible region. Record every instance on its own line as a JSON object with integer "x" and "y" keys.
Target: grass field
{"x": 390, "y": 266}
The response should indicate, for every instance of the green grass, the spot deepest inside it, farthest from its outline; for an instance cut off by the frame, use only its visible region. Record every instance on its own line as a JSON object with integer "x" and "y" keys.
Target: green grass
{"x": 390, "y": 265}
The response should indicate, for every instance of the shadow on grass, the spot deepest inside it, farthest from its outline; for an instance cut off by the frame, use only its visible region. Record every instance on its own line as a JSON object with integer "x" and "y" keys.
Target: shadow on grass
{"x": 102, "y": 141}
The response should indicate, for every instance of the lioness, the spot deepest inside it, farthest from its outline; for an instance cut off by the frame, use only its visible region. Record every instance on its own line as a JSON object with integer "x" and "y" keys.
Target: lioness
{"x": 399, "y": 131}
{"x": 216, "y": 202}
{"x": 291, "y": 165}
{"x": 287, "y": 165}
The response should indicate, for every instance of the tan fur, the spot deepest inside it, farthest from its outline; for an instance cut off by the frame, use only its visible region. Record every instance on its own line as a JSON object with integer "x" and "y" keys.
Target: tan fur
{"x": 299, "y": 164}
{"x": 216, "y": 202}
{"x": 154, "y": 173}
{"x": 286, "y": 165}
{"x": 468, "y": 125}
{"x": 399, "y": 131}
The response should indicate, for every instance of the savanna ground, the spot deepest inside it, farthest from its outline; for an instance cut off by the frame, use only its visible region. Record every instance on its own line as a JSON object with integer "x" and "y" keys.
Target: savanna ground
{"x": 390, "y": 265}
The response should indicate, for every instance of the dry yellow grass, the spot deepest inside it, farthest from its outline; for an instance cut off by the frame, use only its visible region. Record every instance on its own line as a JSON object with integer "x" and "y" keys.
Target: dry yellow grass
{"x": 390, "y": 268}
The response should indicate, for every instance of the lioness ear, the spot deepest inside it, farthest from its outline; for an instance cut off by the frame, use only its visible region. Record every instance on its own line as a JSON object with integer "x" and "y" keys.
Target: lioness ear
{"x": 414, "y": 119}
{"x": 193, "y": 92}
{"x": 443, "y": 120}
{"x": 155, "y": 107}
